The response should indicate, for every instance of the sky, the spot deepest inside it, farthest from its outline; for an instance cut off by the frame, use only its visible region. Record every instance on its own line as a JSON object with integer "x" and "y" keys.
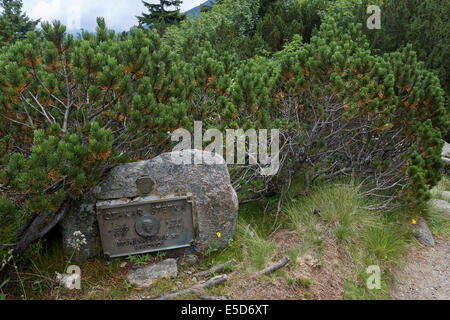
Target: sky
{"x": 119, "y": 15}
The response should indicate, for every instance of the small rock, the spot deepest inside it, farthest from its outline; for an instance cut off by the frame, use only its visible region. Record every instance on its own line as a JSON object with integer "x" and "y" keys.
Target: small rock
{"x": 190, "y": 259}
{"x": 124, "y": 264}
{"x": 144, "y": 277}
{"x": 194, "y": 279}
{"x": 423, "y": 234}
{"x": 97, "y": 288}
{"x": 446, "y": 150}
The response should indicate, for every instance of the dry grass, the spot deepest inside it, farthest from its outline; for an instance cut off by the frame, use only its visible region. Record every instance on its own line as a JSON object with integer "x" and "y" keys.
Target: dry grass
{"x": 328, "y": 255}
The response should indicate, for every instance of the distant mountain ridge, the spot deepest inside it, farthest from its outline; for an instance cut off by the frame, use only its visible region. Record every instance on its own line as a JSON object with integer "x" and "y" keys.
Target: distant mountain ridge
{"x": 196, "y": 10}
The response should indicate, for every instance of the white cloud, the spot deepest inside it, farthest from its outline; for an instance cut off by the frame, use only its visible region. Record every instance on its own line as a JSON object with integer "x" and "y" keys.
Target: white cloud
{"x": 46, "y": 10}
{"x": 119, "y": 14}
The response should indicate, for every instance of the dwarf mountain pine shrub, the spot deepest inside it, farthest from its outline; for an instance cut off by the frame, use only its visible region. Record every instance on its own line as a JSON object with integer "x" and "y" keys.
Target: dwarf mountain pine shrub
{"x": 72, "y": 108}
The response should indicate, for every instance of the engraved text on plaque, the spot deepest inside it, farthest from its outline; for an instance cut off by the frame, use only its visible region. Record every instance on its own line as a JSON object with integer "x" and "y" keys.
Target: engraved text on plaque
{"x": 146, "y": 226}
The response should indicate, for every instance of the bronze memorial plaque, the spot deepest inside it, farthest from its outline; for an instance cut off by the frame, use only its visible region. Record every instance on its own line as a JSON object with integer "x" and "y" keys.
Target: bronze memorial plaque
{"x": 146, "y": 226}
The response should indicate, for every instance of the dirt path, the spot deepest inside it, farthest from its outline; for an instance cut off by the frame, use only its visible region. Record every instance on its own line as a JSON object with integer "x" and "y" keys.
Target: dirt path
{"x": 426, "y": 276}
{"x": 427, "y": 273}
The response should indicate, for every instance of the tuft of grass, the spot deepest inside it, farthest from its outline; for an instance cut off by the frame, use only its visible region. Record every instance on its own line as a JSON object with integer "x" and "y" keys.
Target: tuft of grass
{"x": 304, "y": 282}
{"x": 365, "y": 237}
{"x": 387, "y": 243}
{"x": 300, "y": 218}
{"x": 293, "y": 255}
{"x": 260, "y": 250}
{"x": 444, "y": 184}
{"x": 250, "y": 247}
{"x": 140, "y": 259}
{"x": 441, "y": 194}
{"x": 339, "y": 207}
{"x": 438, "y": 222}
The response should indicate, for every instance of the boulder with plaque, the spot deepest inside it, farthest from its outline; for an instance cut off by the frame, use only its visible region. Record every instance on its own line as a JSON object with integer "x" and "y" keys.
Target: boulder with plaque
{"x": 156, "y": 205}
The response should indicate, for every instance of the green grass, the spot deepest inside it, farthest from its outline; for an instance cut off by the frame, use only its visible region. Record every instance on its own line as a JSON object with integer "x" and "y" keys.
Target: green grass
{"x": 260, "y": 251}
{"x": 367, "y": 238}
{"x": 249, "y": 247}
{"x": 386, "y": 242}
{"x": 363, "y": 237}
{"x": 140, "y": 259}
{"x": 361, "y": 292}
{"x": 444, "y": 184}
{"x": 439, "y": 223}
{"x": 442, "y": 188}
{"x": 339, "y": 209}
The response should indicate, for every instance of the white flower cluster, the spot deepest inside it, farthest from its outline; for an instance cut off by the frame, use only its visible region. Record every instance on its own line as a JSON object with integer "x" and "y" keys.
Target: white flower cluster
{"x": 80, "y": 240}
{"x": 7, "y": 259}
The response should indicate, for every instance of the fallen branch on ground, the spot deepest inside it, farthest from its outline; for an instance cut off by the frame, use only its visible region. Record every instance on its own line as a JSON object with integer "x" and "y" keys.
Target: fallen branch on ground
{"x": 215, "y": 269}
{"x": 197, "y": 288}
{"x": 271, "y": 268}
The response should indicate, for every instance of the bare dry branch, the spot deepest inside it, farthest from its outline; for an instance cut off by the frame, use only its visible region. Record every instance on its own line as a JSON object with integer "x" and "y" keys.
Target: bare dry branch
{"x": 272, "y": 268}
{"x": 197, "y": 288}
{"x": 216, "y": 269}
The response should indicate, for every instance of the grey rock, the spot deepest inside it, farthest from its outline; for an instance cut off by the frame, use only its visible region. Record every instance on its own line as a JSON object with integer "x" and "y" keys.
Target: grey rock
{"x": 446, "y": 161}
{"x": 423, "y": 234}
{"x": 145, "y": 276}
{"x": 443, "y": 195}
{"x": 446, "y": 156}
{"x": 81, "y": 217}
{"x": 446, "y": 150}
{"x": 216, "y": 202}
{"x": 440, "y": 205}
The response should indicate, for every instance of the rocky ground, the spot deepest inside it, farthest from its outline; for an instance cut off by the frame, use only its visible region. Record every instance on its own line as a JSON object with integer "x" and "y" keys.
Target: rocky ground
{"x": 426, "y": 275}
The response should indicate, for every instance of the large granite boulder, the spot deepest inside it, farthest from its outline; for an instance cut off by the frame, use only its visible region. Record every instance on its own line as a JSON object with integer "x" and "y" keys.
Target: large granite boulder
{"x": 215, "y": 201}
